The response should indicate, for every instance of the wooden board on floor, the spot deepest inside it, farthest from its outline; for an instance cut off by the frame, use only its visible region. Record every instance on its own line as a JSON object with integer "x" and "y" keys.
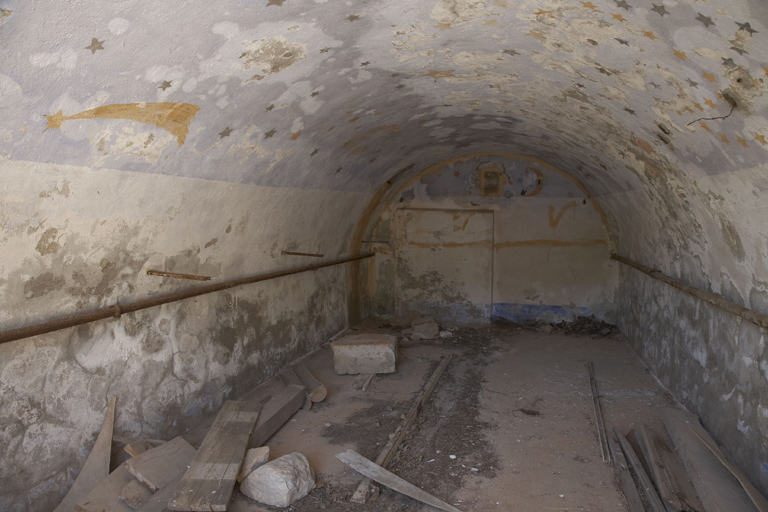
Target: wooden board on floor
{"x": 105, "y": 497}
{"x": 717, "y": 487}
{"x": 384, "y": 477}
{"x": 276, "y": 412}
{"x": 135, "y": 494}
{"x": 158, "y": 466}
{"x": 208, "y": 483}
{"x": 315, "y": 390}
{"x": 625, "y": 477}
{"x": 96, "y": 467}
{"x": 668, "y": 473}
{"x": 642, "y": 477}
{"x": 136, "y": 447}
{"x": 159, "y": 501}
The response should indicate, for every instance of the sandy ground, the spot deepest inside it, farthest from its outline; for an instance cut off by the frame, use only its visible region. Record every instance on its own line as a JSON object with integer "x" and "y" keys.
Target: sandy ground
{"x": 510, "y": 425}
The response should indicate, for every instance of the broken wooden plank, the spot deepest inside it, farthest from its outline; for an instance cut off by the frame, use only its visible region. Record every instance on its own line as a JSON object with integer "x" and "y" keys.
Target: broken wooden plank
{"x": 642, "y": 477}
{"x": 601, "y": 434}
{"x": 275, "y": 413}
{"x": 625, "y": 478}
{"x": 208, "y": 483}
{"x": 159, "y": 501}
{"x": 315, "y": 390}
{"x": 135, "y": 494}
{"x": 136, "y": 447}
{"x": 96, "y": 467}
{"x": 105, "y": 497}
{"x": 158, "y": 466}
{"x": 377, "y": 473}
{"x": 719, "y": 484}
{"x": 361, "y": 493}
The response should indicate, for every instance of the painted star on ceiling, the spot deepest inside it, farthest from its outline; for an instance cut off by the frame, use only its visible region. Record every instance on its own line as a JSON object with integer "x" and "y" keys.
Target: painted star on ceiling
{"x": 706, "y": 20}
{"x": 225, "y": 132}
{"x": 746, "y": 27}
{"x": 270, "y": 133}
{"x": 692, "y": 83}
{"x": 352, "y": 17}
{"x": 682, "y": 55}
{"x": 622, "y": 3}
{"x": 650, "y": 35}
{"x": 512, "y": 52}
{"x": 761, "y": 139}
{"x": 166, "y": 84}
{"x": 661, "y": 9}
{"x": 740, "y": 51}
{"x": 728, "y": 62}
{"x": 95, "y": 45}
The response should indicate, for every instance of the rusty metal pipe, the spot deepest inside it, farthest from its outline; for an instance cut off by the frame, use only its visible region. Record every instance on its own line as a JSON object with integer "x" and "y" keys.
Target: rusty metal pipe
{"x": 753, "y": 316}
{"x": 118, "y": 309}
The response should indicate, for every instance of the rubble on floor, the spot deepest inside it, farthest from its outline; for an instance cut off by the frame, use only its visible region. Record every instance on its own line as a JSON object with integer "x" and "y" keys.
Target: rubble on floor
{"x": 426, "y": 449}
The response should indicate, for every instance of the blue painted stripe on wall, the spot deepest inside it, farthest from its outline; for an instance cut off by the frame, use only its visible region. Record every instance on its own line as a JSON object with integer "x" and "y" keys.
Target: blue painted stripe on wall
{"x": 523, "y": 312}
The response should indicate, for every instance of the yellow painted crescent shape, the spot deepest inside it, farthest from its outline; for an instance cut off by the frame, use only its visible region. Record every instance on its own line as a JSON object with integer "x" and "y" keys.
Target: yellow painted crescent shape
{"x": 173, "y": 117}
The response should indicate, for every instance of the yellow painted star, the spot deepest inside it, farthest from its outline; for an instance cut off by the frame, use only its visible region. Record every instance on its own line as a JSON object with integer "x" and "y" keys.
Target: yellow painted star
{"x": 709, "y": 103}
{"x": 619, "y": 17}
{"x": 698, "y": 106}
{"x": 709, "y": 76}
{"x": 704, "y": 125}
{"x": 724, "y": 139}
{"x": 443, "y": 26}
{"x": 439, "y": 74}
{"x": 55, "y": 120}
{"x": 542, "y": 12}
{"x": 682, "y": 55}
{"x": 295, "y": 136}
{"x": 760, "y": 138}
{"x": 742, "y": 141}
{"x": 589, "y": 5}
{"x": 650, "y": 35}
{"x": 688, "y": 109}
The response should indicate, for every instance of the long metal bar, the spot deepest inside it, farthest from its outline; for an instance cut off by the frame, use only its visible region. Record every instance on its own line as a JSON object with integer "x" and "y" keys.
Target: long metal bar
{"x": 177, "y": 276}
{"x": 714, "y": 299}
{"x": 118, "y": 309}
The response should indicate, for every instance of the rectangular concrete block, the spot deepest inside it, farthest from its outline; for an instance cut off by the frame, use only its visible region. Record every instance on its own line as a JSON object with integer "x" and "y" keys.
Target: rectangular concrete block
{"x": 365, "y": 353}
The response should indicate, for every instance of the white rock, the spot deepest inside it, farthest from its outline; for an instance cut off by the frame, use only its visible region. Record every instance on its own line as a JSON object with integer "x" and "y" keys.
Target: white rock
{"x": 254, "y": 458}
{"x": 280, "y": 482}
{"x": 446, "y": 334}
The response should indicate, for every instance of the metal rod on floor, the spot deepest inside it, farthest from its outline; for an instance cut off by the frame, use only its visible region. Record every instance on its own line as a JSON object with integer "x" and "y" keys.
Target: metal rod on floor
{"x": 177, "y": 276}
{"x": 118, "y": 309}
{"x": 714, "y": 299}
{"x": 601, "y": 434}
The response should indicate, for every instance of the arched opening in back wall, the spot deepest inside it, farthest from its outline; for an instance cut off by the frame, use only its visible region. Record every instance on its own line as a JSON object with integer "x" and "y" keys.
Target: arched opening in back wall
{"x": 491, "y": 236}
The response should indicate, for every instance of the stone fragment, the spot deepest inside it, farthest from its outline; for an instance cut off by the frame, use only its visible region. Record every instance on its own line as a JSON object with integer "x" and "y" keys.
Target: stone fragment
{"x": 425, "y": 327}
{"x": 254, "y": 458}
{"x": 280, "y": 482}
{"x": 446, "y": 334}
{"x": 364, "y": 353}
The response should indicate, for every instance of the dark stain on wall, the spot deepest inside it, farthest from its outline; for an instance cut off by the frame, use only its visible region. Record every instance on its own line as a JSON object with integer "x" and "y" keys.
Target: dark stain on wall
{"x": 42, "y": 285}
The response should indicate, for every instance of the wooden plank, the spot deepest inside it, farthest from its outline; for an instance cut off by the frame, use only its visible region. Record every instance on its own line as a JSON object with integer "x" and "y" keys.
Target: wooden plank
{"x": 384, "y": 477}
{"x": 158, "y": 466}
{"x": 315, "y": 390}
{"x": 159, "y": 501}
{"x": 642, "y": 477}
{"x": 361, "y": 493}
{"x": 601, "y": 434}
{"x": 657, "y": 471}
{"x": 275, "y": 413}
{"x": 625, "y": 478}
{"x": 105, "y": 497}
{"x": 719, "y": 483}
{"x": 96, "y": 467}
{"x": 134, "y": 494}
{"x": 208, "y": 483}
{"x": 673, "y": 473}
{"x": 137, "y": 447}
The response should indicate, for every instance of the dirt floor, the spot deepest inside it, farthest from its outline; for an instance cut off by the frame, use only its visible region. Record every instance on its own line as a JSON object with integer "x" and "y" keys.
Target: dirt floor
{"x": 510, "y": 425}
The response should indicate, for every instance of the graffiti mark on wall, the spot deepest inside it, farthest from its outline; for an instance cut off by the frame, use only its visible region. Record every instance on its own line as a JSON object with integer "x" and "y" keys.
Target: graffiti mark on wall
{"x": 554, "y": 220}
{"x": 173, "y": 117}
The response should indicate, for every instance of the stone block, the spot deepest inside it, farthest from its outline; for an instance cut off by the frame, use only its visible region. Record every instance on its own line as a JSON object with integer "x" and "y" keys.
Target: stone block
{"x": 425, "y": 328}
{"x": 365, "y": 353}
{"x": 280, "y": 482}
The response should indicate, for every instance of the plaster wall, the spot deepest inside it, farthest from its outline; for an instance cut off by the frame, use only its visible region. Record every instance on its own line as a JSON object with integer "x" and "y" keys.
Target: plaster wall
{"x": 549, "y": 249}
{"x": 77, "y": 238}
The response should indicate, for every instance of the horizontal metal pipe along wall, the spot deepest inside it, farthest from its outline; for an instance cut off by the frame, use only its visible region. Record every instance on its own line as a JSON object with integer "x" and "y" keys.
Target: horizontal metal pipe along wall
{"x": 745, "y": 313}
{"x": 118, "y": 309}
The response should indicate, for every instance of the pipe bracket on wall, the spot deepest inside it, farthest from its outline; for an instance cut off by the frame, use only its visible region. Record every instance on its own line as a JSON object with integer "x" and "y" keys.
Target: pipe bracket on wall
{"x": 753, "y": 316}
